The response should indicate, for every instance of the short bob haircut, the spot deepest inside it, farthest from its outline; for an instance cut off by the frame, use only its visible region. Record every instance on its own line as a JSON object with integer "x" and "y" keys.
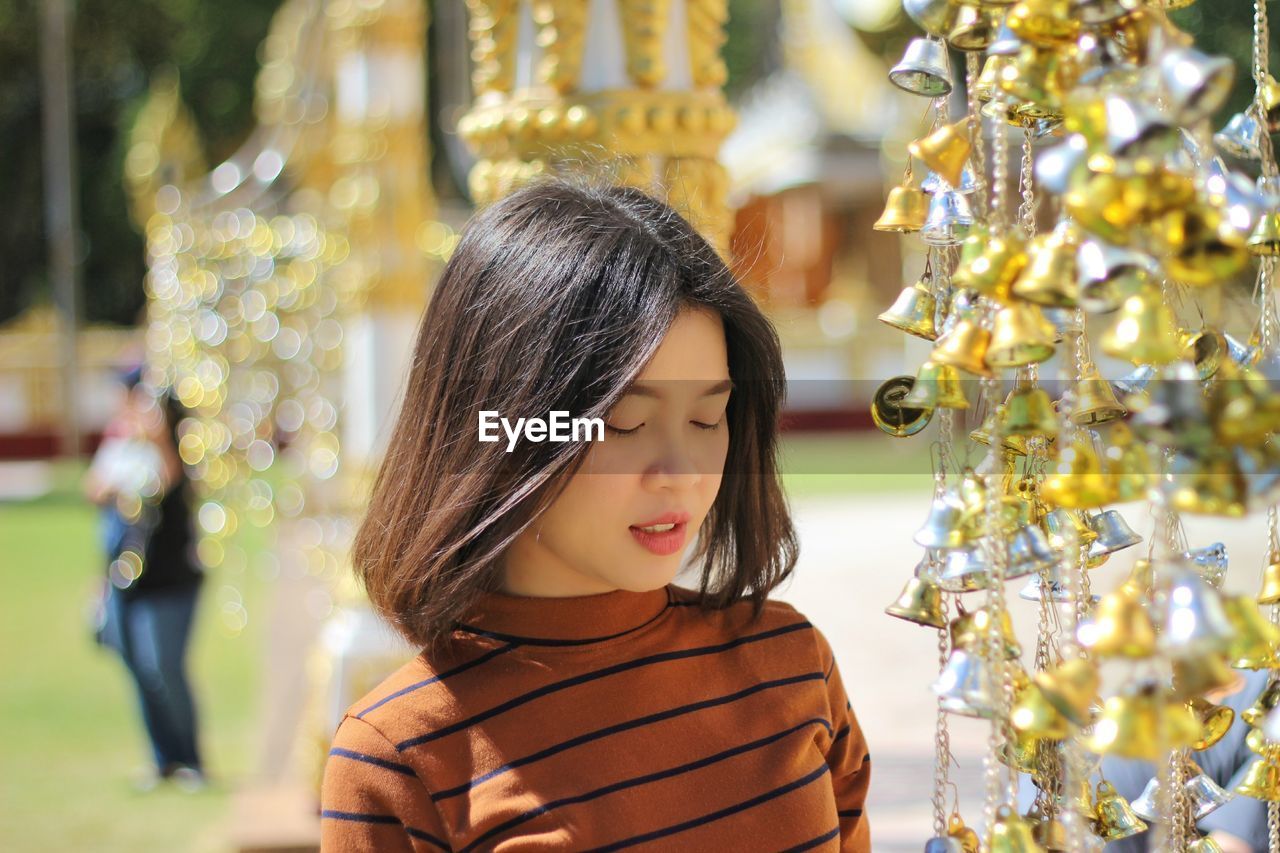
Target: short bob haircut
{"x": 555, "y": 298}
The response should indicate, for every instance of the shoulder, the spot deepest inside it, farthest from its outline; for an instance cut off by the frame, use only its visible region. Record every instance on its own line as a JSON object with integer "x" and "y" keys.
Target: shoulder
{"x": 776, "y": 618}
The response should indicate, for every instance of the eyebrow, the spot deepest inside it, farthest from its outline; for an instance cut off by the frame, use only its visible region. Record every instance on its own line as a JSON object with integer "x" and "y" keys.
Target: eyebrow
{"x": 640, "y": 389}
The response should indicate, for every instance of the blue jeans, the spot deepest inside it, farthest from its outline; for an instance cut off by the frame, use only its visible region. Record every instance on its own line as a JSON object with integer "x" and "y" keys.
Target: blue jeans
{"x": 150, "y": 631}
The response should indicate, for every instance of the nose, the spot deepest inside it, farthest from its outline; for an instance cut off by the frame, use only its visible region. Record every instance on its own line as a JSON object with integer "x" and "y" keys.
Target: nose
{"x": 676, "y": 467}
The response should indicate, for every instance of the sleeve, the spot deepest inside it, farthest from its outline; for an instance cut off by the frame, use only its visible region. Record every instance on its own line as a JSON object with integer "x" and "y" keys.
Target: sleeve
{"x": 371, "y": 800}
{"x": 848, "y": 757}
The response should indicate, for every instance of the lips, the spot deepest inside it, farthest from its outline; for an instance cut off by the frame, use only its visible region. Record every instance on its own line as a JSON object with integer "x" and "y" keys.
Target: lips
{"x": 665, "y": 518}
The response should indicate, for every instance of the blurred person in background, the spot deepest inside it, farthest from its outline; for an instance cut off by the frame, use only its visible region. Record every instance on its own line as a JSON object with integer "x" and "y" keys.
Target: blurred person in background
{"x": 153, "y": 573}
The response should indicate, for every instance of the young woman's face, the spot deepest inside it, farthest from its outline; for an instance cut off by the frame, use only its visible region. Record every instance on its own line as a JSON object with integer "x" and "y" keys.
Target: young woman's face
{"x": 667, "y": 461}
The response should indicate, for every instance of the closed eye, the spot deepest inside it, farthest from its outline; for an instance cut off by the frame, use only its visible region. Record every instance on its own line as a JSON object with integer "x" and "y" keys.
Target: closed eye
{"x": 698, "y": 424}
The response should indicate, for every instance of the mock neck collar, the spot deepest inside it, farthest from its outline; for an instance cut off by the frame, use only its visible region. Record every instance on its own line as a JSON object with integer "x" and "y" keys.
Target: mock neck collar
{"x": 571, "y": 620}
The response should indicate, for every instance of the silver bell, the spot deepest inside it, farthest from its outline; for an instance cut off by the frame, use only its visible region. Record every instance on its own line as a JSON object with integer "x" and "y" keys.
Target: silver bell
{"x": 1135, "y": 129}
{"x": 1114, "y": 533}
{"x": 1054, "y": 167}
{"x": 965, "y": 570}
{"x": 1036, "y": 590}
{"x": 935, "y": 17}
{"x": 1241, "y": 199}
{"x": 932, "y": 182}
{"x": 943, "y": 844}
{"x": 944, "y": 528}
{"x": 1137, "y": 380}
{"x": 1146, "y": 806}
{"x": 1006, "y": 43}
{"x": 949, "y": 218}
{"x": 925, "y": 69}
{"x": 1107, "y": 274}
{"x": 1241, "y": 137}
{"x": 1195, "y": 621}
{"x": 1203, "y": 794}
{"x": 965, "y": 686}
{"x": 1029, "y": 553}
{"x": 1196, "y": 84}
{"x": 1211, "y": 562}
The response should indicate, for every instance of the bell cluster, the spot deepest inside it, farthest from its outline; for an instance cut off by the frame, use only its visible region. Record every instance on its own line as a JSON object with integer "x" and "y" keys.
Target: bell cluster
{"x": 1152, "y": 220}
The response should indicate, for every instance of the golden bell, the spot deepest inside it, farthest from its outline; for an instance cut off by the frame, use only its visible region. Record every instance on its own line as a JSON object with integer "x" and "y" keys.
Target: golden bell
{"x": 1078, "y": 480}
{"x": 1011, "y": 834}
{"x": 1050, "y": 278}
{"x": 964, "y": 348}
{"x": 1096, "y": 401}
{"x": 970, "y": 629}
{"x": 1115, "y": 817}
{"x": 1062, "y": 525}
{"x": 904, "y": 210}
{"x": 921, "y": 603}
{"x": 1206, "y": 349}
{"x": 912, "y": 312}
{"x": 1049, "y": 833}
{"x": 1020, "y": 336}
{"x": 1204, "y": 844}
{"x": 1028, "y": 411}
{"x": 1270, "y": 593}
{"x": 945, "y": 151}
{"x": 1214, "y": 721}
{"x": 1206, "y": 248}
{"x": 1262, "y": 781}
{"x": 1130, "y": 726}
{"x": 1263, "y": 705}
{"x": 937, "y": 386}
{"x": 1254, "y": 643}
{"x": 969, "y": 841}
{"x": 1070, "y": 687}
{"x": 985, "y": 86}
{"x": 1204, "y": 675}
{"x": 1031, "y": 82}
{"x": 1022, "y": 752}
{"x": 1211, "y": 484}
{"x": 1265, "y": 237}
{"x": 891, "y": 415}
{"x": 1145, "y": 332}
{"x": 1121, "y": 627}
{"x": 992, "y": 270}
{"x": 1129, "y": 464}
{"x": 1049, "y": 22}
{"x": 1036, "y": 716}
{"x": 975, "y": 27}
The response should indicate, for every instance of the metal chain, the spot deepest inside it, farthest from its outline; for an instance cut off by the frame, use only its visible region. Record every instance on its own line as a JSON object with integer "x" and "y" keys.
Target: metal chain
{"x": 1027, "y": 210}
{"x": 1273, "y": 827}
{"x": 999, "y": 176}
{"x": 1261, "y": 62}
{"x": 1178, "y": 800}
{"x": 941, "y": 743}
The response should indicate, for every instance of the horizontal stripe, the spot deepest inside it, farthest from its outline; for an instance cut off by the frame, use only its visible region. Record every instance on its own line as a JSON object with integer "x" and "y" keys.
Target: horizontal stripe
{"x": 616, "y": 728}
{"x": 849, "y": 812}
{"x": 386, "y": 819}
{"x": 440, "y": 677}
{"x": 645, "y": 779}
{"x": 552, "y": 641}
{"x": 372, "y": 759}
{"x": 587, "y": 677}
{"x": 716, "y": 815}
{"x": 814, "y": 842}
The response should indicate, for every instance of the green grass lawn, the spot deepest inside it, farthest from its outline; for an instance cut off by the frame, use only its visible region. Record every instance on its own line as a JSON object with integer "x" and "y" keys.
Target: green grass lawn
{"x": 73, "y": 732}
{"x": 816, "y": 465}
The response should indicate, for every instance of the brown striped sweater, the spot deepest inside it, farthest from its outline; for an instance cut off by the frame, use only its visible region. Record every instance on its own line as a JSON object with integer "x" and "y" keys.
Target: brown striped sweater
{"x": 622, "y": 720}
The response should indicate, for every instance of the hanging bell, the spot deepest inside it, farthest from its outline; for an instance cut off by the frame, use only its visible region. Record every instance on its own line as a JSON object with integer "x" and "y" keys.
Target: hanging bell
{"x": 1011, "y": 834}
{"x": 933, "y": 183}
{"x": 1146, "y": 806}
{"x": 1210, "y": 561}
{"x": 1206, "y": 349}
{"x": 1110, "y": 274}
{"x": 1146, "y": 331}
{"x": 1096, "y": 401}
{"x": 921, "y": 603}
{"x": 935, "y": 17}
{"x": 1034, "y": 715}
{"x": 1062, "y": 525}
{"x": 1205, "y": 675}
{"x": 965, "y": 570}
{"x": 913, "y": 311}
{"x": 937, "y": 386}
{"x": 969, "y": 841}
{"x": 965, "y": 686}
{"x": 1210, "y": 484}
{"x": 1240, "y": 198}
{"x": 969, "y": 630}
{"x": 1195, "y": 84}
{"x": 1115, "y": 817}
{"x": 1204, "y": 844}
{"x": 944, "y": 528}
{"x": 986, "y": 86}
{"x": 1078, "y": 480}
{"x": 1011, "y": 444}
{"x": 1214, "y": 721}
{"x": 1265, "y": 237}
{"x": 1030, "y": 82}
{"x": 1029, "y": 553}
{"x": 1241, "y": 137}
{"x": 889, "y": 412}
{"x": 1195, "y": 622}
{"x": 1071, "y": 687}
{"x": 1270, "y": 593}
{"x": 1130, "y": 727}
{"x": 1261, "y": 781}
{"x": 1051, "y": 273}
{"x": 964, "y": 347}
{"x": 905, "y": 210}
{"x": 1266, "y": 702}
{"x": 1173, "y": 412}
{"x": 1056, "y": 166}
{"x": 1256, "y": 638}
{"x": 1206, "y": 248}
{"x": 948, "y": 220}
{"x": 1121, "y": 627}
{"x": 1047, "y": 22}
{"x": 924, "y": 69}
{"x": 1049, "y": 832}
{"x": 945, "y": 151}
{"x": 1203, "y": 794}
{"x": 1020, "y": 336}
{"x": 1129, "y": 464}
{"x": 941, "y": 844}
{"x": 993, "y": 267}
{"x": 1053, "y": 589}
{"x": 1029, "y": 412}
{"x": 1113, "y": 533}
{"x": 975, "y": 27}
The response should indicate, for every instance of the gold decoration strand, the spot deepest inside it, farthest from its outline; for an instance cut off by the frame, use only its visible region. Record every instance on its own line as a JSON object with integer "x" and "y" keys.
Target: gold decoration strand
{"x": 976, "y": 155}
{"x": 1027, "y": 210}
{"x": 1261, "y": 63}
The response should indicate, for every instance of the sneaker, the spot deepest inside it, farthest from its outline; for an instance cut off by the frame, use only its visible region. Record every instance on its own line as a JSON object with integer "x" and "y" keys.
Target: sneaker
{"x": 189, "y": 779}
{"x": 147, "y": 780}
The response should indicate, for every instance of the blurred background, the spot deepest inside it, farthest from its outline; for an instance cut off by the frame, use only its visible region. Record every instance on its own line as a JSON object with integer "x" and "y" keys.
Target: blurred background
{"x": 254, "y": 197}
